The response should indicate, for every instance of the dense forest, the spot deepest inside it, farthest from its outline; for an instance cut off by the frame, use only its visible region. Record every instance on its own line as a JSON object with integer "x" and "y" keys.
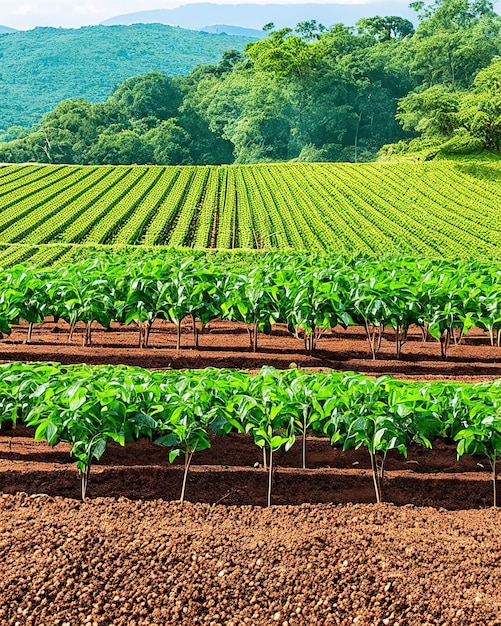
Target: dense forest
{"x": 41, "y": 67}
{"x": 309, "y": 94}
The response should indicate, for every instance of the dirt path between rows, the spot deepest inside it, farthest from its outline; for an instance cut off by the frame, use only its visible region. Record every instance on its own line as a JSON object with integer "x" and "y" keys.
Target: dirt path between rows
{"x": 230, "y": 472}
{"x": 227, "y": 345}
{"x": 132, "y": 563}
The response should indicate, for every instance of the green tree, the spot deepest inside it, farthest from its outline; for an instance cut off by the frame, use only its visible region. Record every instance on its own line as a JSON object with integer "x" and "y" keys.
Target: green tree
{"x": 120, "y": 148}
{"x": 151, "y": 95}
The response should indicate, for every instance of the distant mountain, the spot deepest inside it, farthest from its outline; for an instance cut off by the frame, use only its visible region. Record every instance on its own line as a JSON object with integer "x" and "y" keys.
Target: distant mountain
{"x": 196, "y": 16}
{"x": 6, "y": 29}
{"x": 43, "y": 66}
{"x": 224, "y": 29}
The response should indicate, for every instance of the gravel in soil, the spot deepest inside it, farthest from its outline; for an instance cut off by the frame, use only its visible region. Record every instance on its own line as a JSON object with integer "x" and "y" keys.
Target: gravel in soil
{"x": 227, "y": 345}
{"x": 120, "y": 562}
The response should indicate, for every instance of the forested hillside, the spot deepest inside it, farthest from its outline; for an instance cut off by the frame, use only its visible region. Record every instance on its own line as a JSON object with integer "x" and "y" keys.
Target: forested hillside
{"x": 41, "y": 67}
{"x": 309, "y": 94}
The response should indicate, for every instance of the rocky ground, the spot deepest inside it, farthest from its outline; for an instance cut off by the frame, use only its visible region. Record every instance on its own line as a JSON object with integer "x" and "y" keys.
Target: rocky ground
{"x": 121, "y": 562}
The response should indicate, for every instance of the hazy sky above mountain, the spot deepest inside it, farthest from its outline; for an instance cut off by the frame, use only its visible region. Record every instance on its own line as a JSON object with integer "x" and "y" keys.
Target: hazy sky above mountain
{"x": 23, "y": 14}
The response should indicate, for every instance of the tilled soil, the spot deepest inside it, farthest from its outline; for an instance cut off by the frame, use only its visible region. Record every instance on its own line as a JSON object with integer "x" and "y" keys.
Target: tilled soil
{"x": 134, "y": 563}
{"x": 128, "y": 556}
{"x": 227, "y": 345}
{"x": 230, "y": 472}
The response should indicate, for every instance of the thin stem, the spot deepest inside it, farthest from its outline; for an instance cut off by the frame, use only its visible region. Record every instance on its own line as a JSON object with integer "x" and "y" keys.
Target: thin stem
{"x": 305, "y": 419}
{"x": 195, "y": 330}
{"x": 270, "y": 476}
{"x": 453, "y": 335}
{"x": 494, "y": 481}
{"x": 375, "y": 477}
{"x": 249, "y": 331}
{"x": 380, "y": 476}
{"x": 254, "y": 342}
{"x": 370, "y": 340}
{"x": 147, "y": 330}
{"x": 265, "y": 464}
{"x": 72, "y": 330}
{"x": 424, "y": 332}
{"x": 187, "y": 464}
{"x": 444, "y": 344}
{"x": 84, "y": 480}
{"x": 178, "y": 339}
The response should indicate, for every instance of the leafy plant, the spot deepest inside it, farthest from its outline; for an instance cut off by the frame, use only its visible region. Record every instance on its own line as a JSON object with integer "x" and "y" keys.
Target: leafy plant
{"x": 482, "y": 434}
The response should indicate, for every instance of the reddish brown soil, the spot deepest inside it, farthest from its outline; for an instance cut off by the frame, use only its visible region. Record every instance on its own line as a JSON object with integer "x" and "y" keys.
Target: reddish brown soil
{"x": 128, "y": 557}
{"x": 130, "y": 563}
{"x": 227, "y": 345}
{"x": 230, "y": 473}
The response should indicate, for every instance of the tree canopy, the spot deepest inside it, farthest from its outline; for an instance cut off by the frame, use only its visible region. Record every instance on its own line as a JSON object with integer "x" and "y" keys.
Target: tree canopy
{"x": 310, "y": 94}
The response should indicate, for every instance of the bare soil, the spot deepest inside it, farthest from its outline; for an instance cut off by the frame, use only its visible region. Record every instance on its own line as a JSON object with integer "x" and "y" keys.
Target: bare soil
{"x": 226, "y": 344}
{"x": 121, "y": 562}
{"x": 230, "y": 472}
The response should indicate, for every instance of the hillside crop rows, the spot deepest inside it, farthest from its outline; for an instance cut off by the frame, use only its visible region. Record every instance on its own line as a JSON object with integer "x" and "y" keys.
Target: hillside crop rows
{"x": 249, "y": 260}
{"x": 444, "y": 209}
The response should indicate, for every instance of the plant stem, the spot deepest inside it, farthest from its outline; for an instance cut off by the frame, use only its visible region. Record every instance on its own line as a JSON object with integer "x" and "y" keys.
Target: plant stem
{"x": 380, "y": 476}
{"x": 375, "y": 477}
{"x": 195, "y": 330}
{"x": 147, "y": 330}
{"x": 84, "y": 480}
{"x": 178, "y": 340}
{"x": 494, "y": 481}
{"x": 270, "y": 476}
{"x": 187, "y": 464}
{"x": 305, "y": 418}
{"x": 370, "y": 339}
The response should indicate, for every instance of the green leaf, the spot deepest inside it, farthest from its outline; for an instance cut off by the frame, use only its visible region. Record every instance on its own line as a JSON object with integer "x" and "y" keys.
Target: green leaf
{"x": 173, "y": 454}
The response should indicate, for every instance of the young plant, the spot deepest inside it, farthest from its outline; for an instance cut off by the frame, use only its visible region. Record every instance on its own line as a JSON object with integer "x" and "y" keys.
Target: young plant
{"x": 375, "y": 428}
{"x": 184, "y": 421}
{"x": 265, "y": 414}
{"x": 482, "y": 435}
{"x": 96, "y": 408}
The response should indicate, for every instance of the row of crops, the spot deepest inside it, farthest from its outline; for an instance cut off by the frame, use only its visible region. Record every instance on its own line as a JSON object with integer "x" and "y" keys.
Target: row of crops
{"x": 311, "y": 294}
{"x": 87, "y": 407}
{"x": 445, "y": 209}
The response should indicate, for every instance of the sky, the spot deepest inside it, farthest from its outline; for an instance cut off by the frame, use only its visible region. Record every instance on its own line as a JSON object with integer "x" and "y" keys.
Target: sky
{"x": 25, "y": 14}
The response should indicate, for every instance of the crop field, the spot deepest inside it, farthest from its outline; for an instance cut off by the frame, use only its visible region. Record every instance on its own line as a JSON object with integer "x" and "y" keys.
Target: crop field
{"x": 310, "y": 295}
{"x": 324, "y": 337}
{"x": 446, "y": 209}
